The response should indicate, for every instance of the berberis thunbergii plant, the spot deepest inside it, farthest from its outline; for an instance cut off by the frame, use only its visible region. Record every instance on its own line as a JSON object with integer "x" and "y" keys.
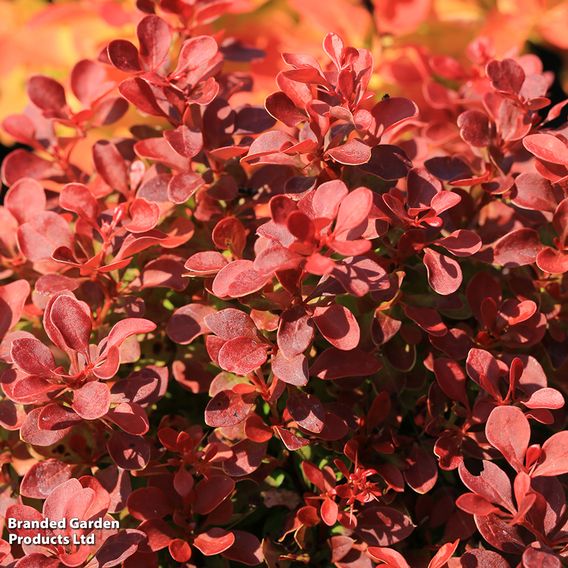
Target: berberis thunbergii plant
{"x": 317, "y": 332}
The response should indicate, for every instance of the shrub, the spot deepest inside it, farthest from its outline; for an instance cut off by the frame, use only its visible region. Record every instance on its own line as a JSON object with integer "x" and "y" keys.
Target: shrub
{"x": 319, "y": 331}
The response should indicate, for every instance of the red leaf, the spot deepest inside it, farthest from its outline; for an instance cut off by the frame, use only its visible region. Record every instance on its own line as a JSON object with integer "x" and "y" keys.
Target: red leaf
{"x": 183, "y": 186}
{"x": 451, "y": 379}
{"x": 125, "y": 328}
{"x": 518, "y": 312}
{"x": 12, "y": 416}
{"x": 214, "y": 541}
{"x": 532, "y": 556}
{"x": 227, "y": 408}
{"x": 143, "y": 387}
{"x": 336, "y": 364}
{"x": 76, "y": 197}
{"x": 13, "y": 297}
{"x": 480, "y": 557}
{"x": 111, "y": 165}
{"x": 319, "y": 264}
{"x": 118, "y": 547}
{"x": 32, "y": 356}
{"x": 555, "y": 456}
{"x": 160, "y": 150}
{"x": 137, "y": 91}
{"x": 23, "y": 513}
{"x": 148, "y": 503}
{"x": 21, "y": 163}
{"x": 338, "y": 325}
{"x": 352, "y": 153}
{"x": 88, "y": 81}
{"x": 534, "y": 192}
{"x": 327, "y": 198}
{"x": 47, "y": 94}
{"x": 211, "y": 492}
{"x": 107, "y": 365}
{"x": 388, "y": 557}
{"x": 547, "y": 147}
{"x": 281, "y": 107}
{"x": 545, "y": 398}
{"x": 43, "y": 477}
{"x": 517, "y": 248}
{"x": 275, "y": 257}
{"x": 475, "y": 505}
{"x": 474, "y": 128}
{"x": 70, "y": 325}
{"x": 184, "y": 141}
{"x": 291, "y": 441}
{"x": 444, "y": 201}
{"x": 383, "y": 526}
{"x": 230, "y": 233}
{"x": 281, "y": 206}
{"x": 144, "y": 216}
{"x": 53, "y": 416}
{"x": 508, "y": 430}
{"x": 206, "y": 263}
{"x": 333, "y": 46}
{"x": 445, "y": 552}
{"x": 37, "y": 560}
{"x": 32, "y": 434}
{"x": 306, "y": 410}
{"x": 392, "y": 112}
{"x": 158, "y": 532}
{"x": 552, "y": 261}
{"x": 256, "y": 430}
{"x": 242, "y": 355}
{"x": 353, "y": 210}
{"x": 560, "y": 222}
{"x": 123, "y": 55}
{"x": 506, "y": 75}
{"x": 42, "y": 235}
{"x": 295, "y": 332}
{"x": 189, "y": 322}
{"x": 237, "y": 279}
{"x": 180, "y": 550}
{"x": 195, "y": 53}
{"x": 272, "y": 142}
{"x": 329, "y": 511}
{"x": 246, "y": 550}
{"x": 428, "y": 319}
{"x": 384, "y": 328}
{"x": 128, "y": 451}
{"x": 130, "y": 417}
{"x": 323, "y": 479}
{"x": 28, "y": 389}
{"x": 155, "y": 39}
{"x": 247, "y": 457}
{"x": 444, "y": 273}
{"x": 25, "y": 199}
{"x": 388, "y": 162}
{"x": 461, "y": 242}
{"x": 501, "y": 534}
{"x": 183, "y": 482}
{"x": 20, "y": 127}
{"x": 422, "y": 471}
{"x": 92, "y": 400}
{"x": 422, "y": 188}
{"x": 166, "y": 271}
{"x": 230, "y": 324}
{"x": 293, "y": 370}
{"x": 109, "y": 111}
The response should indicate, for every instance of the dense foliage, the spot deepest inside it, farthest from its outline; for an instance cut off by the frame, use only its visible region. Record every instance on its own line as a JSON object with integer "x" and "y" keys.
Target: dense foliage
{"x": 330, "y": 330}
